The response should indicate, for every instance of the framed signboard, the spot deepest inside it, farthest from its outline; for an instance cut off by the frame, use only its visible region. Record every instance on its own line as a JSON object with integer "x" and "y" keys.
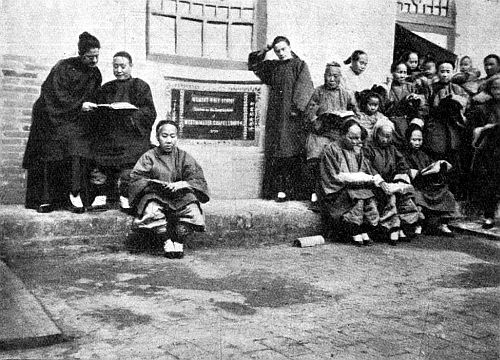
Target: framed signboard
{"x": 211, "y": 111}
{"x": 214, "y": 115}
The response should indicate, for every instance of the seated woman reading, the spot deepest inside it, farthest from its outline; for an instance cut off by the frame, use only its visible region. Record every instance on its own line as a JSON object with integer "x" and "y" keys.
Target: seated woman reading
{"x": 347, "y": 183}
{"x": 166, "y": 189}
{"x": 430, "y": 180}
{"x": 398, "y": 212}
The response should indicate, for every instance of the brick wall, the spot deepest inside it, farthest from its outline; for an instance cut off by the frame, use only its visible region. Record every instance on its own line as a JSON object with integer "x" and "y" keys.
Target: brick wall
{"x": 233, "y": 172}
{"x": 20, "y": 81}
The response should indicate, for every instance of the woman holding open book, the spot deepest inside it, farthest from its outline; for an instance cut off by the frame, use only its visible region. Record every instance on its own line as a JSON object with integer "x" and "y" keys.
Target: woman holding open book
{"x": 430, "y": 181}
{"x": 124, "y": 119}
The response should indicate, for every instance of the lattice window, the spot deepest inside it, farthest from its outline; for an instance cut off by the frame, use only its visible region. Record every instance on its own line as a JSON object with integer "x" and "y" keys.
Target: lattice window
{"x": 210, "y": 29}
{"x": 425, "y": 7}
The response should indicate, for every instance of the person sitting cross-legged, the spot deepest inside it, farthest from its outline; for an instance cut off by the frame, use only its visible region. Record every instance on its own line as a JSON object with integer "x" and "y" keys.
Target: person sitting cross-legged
{"x": 348, "y": 181}
{"x": 166, "y": 189}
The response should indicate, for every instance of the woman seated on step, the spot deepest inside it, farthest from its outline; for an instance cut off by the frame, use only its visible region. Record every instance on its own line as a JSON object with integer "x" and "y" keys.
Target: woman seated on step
{"x": 166, "y": 189}
{"x": 347, "y": 182}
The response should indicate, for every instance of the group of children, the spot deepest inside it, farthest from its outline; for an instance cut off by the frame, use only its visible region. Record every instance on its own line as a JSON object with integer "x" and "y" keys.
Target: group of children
{"x": 419, "y": 132}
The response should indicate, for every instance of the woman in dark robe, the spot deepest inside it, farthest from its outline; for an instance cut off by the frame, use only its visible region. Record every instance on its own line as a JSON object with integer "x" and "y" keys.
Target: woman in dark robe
{"x": 347, "y": 182}
{"x": 486, "y": 143}
{"x": 403, "y": 103}
{"x": 57, "y": 152}
{"x": 398, "y": 213}
{"x": 430, "y": 181}
{"x": 291, "y": 88}
{"x": 166, "y": 189}
{"x": 121, "y": 136}
{"x": 445, "y": 131}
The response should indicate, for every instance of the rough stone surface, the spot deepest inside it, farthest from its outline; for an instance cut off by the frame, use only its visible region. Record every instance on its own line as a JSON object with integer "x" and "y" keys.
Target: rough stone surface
{"x": 433, "y": 298}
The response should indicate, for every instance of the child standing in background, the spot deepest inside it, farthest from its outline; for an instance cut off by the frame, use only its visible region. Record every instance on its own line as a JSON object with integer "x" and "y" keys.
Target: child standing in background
{"x": 468, "y": 76}
{"x": 370, "y": 116}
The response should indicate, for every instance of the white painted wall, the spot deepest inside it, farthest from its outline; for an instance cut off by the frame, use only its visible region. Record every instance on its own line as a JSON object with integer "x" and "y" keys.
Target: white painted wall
{"x": 477, "y": 29}
{"x": 330, "y": 30}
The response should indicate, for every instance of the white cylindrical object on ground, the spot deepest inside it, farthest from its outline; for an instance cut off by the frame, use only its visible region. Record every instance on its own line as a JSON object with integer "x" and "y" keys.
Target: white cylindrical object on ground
{"x": 309, "y": 241}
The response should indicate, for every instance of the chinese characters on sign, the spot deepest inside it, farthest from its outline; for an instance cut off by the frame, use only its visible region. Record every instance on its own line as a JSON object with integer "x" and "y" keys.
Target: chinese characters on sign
{"x": 214, "y": 115}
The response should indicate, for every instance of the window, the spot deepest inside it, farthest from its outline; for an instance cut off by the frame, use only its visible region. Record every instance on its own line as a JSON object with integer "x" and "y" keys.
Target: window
{"x": 426, "y": 7}
{"x": 214, "y": 33}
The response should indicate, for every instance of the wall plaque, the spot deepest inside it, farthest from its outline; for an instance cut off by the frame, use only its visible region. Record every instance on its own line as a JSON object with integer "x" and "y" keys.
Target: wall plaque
{"x": 214, "y": 115}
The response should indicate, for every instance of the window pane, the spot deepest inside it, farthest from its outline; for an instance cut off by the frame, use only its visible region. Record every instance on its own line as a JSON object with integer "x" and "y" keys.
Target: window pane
{"x": 210, "y": 11}
{"x": 222, "y": 12}
{"x": 215, "y": 41}
{"x": 189, "y": 38}
{"x": 183, "y": 8}
{"x": 247, "y": 14}
{"x": 197, "y": 9}
{"x": 235, "y": 13}
{"x": 162, "y": 35}
{"x": 155, "y": 5}
{"x": 240, "y": 42}
{"x": 169, "y": 6}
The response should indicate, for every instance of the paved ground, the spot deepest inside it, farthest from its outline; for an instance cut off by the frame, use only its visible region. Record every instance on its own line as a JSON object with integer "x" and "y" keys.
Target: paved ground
{"x": 435, "y": 298}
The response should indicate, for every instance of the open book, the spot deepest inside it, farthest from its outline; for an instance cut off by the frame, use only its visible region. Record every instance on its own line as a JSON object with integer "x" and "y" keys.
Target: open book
{"x": 436, "y": 167}
{"x": 117, "y": 106}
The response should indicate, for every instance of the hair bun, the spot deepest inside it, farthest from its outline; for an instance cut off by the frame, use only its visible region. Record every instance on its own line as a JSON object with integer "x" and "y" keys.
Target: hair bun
{"x": 84, "y": 35}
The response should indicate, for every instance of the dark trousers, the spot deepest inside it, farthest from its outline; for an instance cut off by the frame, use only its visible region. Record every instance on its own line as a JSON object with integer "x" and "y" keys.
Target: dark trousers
{"x": 112, "y": 181}
{"x": 286, "y": 174}
{"x": 313, "y": 174}
{"x": 51, "y": 182}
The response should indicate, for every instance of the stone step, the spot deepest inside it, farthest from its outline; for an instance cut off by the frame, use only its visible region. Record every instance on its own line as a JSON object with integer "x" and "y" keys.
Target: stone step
{"x": 229, "y": 223}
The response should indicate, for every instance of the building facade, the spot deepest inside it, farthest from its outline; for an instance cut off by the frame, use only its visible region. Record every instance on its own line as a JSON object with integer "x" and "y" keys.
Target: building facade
{"x": 193, "y": 54}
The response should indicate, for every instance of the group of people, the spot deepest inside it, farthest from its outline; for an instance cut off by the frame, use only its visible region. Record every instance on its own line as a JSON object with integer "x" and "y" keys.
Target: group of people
{"x": 386, "y": 158}
{"x": 89, "y": 149}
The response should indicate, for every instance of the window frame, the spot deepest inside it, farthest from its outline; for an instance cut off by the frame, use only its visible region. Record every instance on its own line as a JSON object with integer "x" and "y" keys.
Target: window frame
{"x": 258, "y": 24}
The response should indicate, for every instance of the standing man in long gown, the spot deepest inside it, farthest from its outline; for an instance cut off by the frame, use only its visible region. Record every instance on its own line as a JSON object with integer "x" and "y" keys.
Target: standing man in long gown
{"x": 120, "y": 137}
{"x": 291, "y": 88}
{"x": 56, "y": 155}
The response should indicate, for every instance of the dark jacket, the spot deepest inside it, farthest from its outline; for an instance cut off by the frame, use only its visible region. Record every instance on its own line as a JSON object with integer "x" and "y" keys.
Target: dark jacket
{"x": 59, "y": 129}
{"x": 120, "y": 138}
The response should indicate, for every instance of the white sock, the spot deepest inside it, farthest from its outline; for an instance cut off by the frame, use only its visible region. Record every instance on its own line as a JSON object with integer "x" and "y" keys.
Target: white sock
{"x": 124, "y": 202}
{"x": 99, "y": 200}
{"x": 418, "y": 230}
{"x": 168, "y": 246}
{"x": 178, "y": 247}
{"x": 76, "y": 201}
{"x": 365, "y": 237}
{"x": 358, "y": 238}
{"x": 402, "y": 234}
{"x": 445, "y": 228}
{"x": 394, "y": 236}
{"x": 314, "y": 197}
{"x": 281, "y": 195}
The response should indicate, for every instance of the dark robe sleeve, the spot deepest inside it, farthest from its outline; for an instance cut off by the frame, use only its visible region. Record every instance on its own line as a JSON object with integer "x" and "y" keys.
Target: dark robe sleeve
{"x": 139, "y": 177}
{"x": 303, "y": 88}
{"x": 402, "y": 166}
{"x": 192, "y": 173}
{"x": 144, "y": 118}
{"x": 261, "y": 67}
{"x": 311, "y": 112}
{"x": 333, "y": 179}
{"x": 66, "y": 90}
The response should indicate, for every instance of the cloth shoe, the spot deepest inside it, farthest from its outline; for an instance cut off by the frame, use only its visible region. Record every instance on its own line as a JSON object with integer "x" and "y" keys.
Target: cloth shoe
{"x": 281, "y": 197}
{"x": 488, "y": 224}
{"x": 76, "y": 204}
{"x": 99, "y": 203}
{"x": 45, "y": 208}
